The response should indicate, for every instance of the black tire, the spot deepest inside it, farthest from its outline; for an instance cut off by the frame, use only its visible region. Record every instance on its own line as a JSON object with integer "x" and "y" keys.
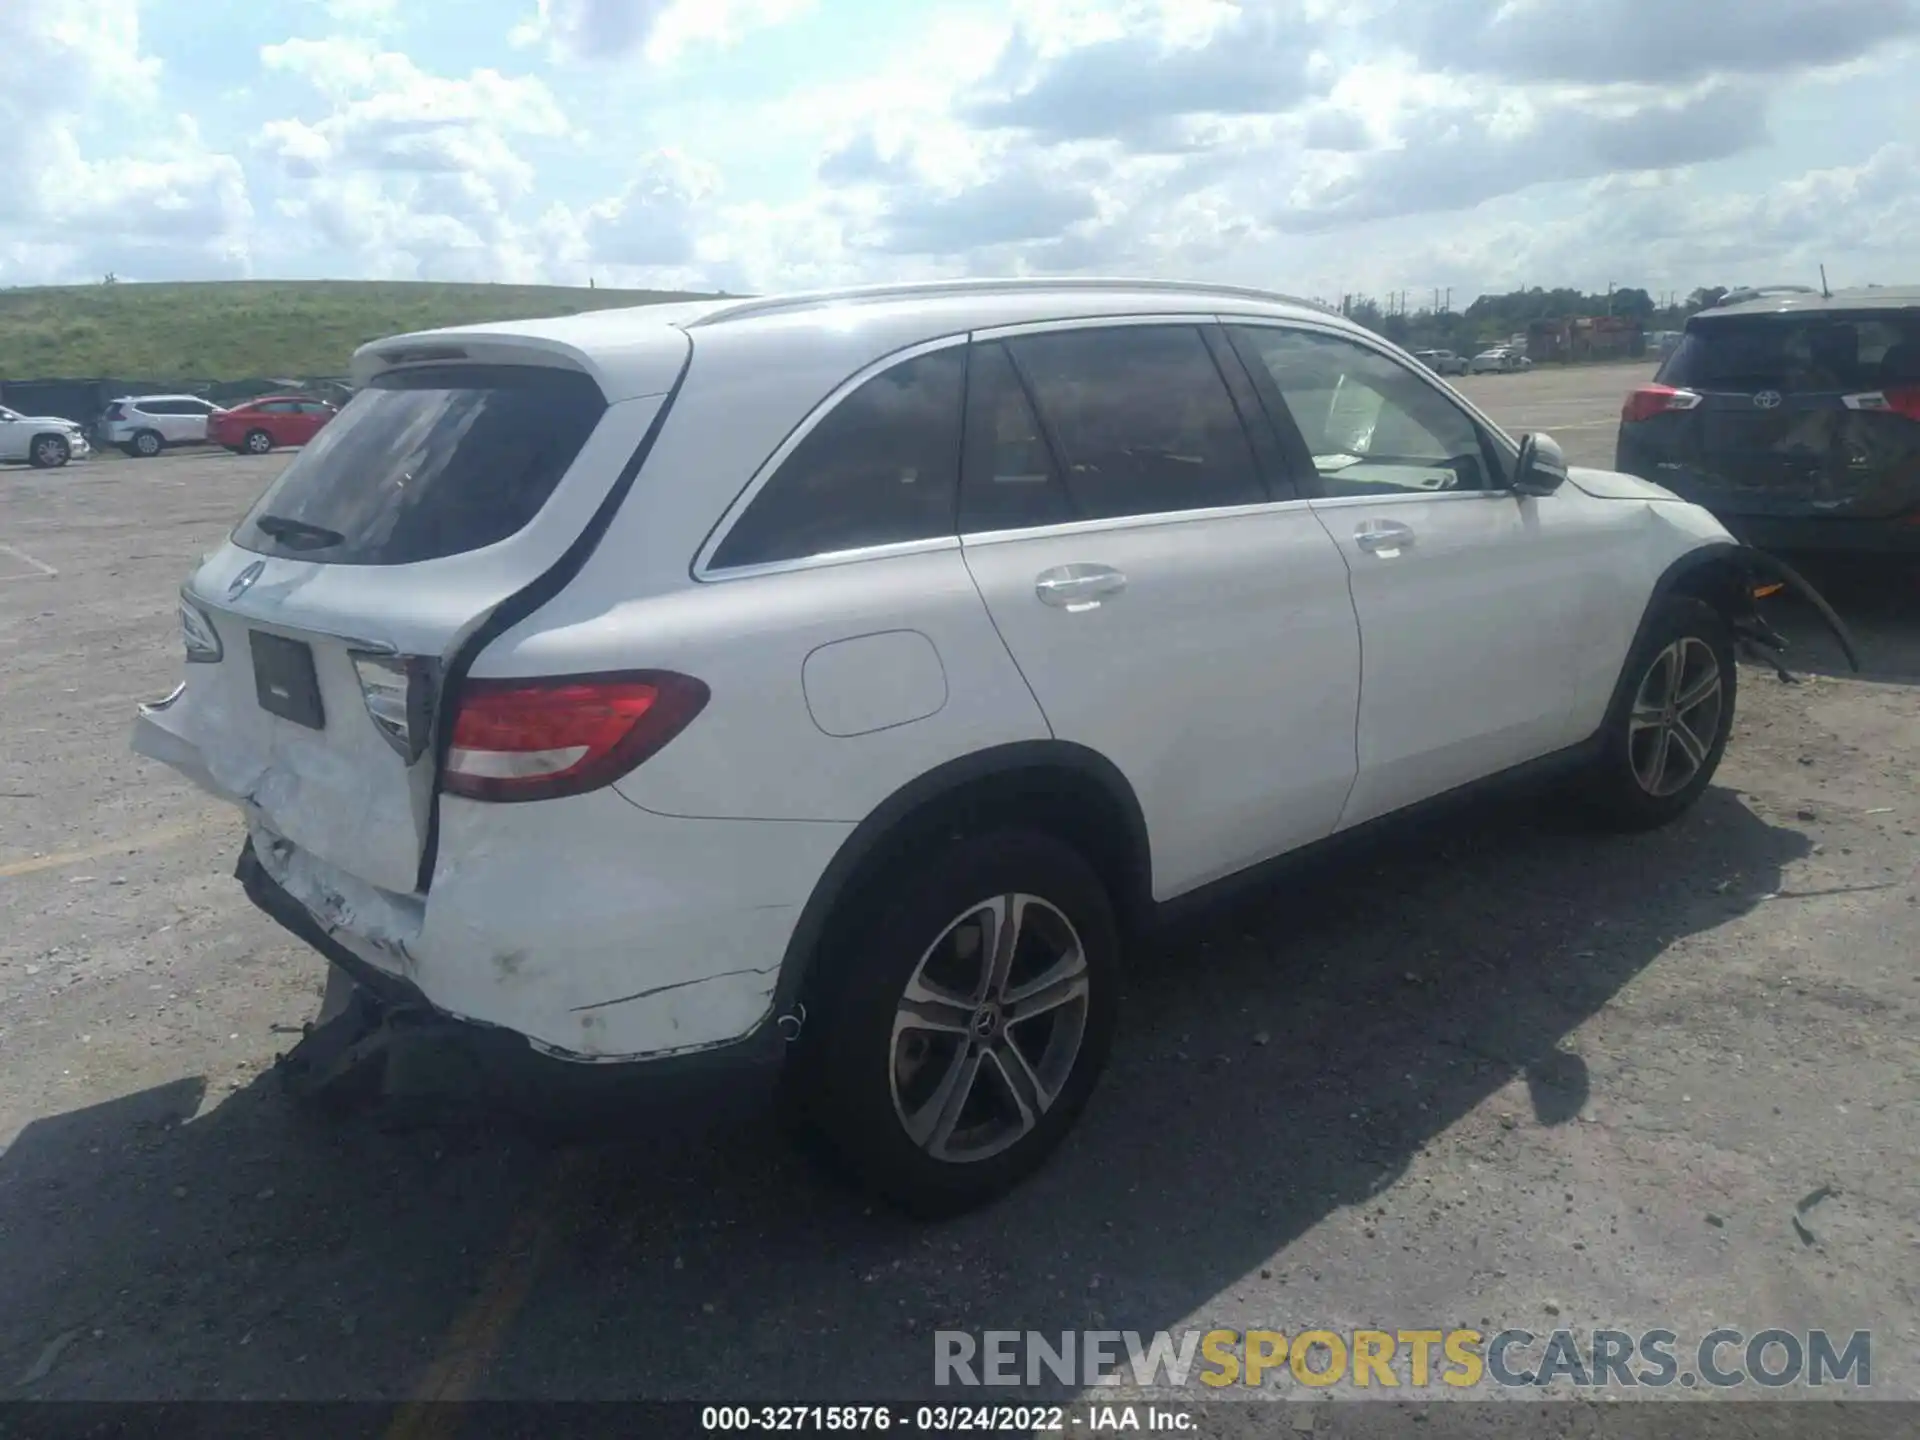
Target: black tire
{"x": 146, "y": 444}
{"x": 49, "y": 452}
{"x": 258, "y": 442}
{"x": 848, "y": 1073}
{"x": 1616, "y": 787}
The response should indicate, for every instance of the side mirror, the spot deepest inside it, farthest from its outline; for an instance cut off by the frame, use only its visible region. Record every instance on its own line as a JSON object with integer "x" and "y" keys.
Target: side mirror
{"x": 1542, "y": 467}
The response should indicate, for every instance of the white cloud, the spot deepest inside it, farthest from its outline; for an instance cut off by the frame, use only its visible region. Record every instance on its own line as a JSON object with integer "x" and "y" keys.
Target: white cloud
{"x": 1306, "y": 144}
{"x": 165, "y": 204}
{"x": 414, "y": 173}
{"x": 660, "y": 29}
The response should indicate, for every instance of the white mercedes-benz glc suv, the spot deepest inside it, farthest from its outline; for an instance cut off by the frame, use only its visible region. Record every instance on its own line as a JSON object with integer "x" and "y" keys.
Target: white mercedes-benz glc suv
{"x": 842, "y": 683}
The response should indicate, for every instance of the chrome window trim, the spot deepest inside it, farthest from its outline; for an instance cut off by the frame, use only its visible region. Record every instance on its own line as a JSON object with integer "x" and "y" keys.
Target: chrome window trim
{"x": 704, "y": 571}
{"x": 1158, "y": 520}
{"x": 1388, "y": 497}
{"x": 826, "y": 559}
{"x": 1127, "y": 320}
{"x": 703, "y": 568}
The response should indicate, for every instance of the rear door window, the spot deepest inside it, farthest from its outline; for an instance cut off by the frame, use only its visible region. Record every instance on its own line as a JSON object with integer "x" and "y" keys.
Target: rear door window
{"x": 1011, "y": 482}
{"x": 427, "y": 463}
{"x": 880, "y": 468}
{"x": 1140, "y": 419}
{"x": 1797, "y": 354}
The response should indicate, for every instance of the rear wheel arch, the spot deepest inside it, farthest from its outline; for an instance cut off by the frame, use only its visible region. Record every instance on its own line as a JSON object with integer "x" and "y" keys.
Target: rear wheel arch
{"x": 1051, "y": 786}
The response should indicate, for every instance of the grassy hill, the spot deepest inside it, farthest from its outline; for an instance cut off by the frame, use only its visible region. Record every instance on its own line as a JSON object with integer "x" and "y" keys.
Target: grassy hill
{"x": 229, "y": 330}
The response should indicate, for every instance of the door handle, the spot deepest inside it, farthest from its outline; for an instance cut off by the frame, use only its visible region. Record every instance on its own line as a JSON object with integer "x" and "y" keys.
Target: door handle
{"x": 1078, "y": 587}
{"x": 1385, "y": 538}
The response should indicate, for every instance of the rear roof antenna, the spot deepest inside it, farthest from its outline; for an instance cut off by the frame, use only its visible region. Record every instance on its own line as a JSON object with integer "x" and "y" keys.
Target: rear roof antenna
{"x": 1825, "y": 293}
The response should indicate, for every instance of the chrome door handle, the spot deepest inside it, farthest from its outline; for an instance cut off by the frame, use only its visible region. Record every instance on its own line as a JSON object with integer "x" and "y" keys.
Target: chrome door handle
{"x": 1078, "y": 587}
{"x": 1385, "y": 538}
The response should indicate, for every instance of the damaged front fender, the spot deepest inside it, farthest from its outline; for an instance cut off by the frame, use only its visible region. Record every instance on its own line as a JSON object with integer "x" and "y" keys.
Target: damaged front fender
{"x": 1764, "y": 570}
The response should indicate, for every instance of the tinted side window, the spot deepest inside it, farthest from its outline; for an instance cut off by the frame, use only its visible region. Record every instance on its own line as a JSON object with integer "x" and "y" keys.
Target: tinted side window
{"x": 880, "y": 468}
{"x": 1141, "y": 420}
{"x": 1371, "y": 425}
{"x": 1011, "y": 481}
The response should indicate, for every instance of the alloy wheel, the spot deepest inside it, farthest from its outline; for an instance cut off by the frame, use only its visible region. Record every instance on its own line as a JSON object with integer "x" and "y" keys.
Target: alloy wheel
{"x": 1676, "y": 717}
{"x": 989, "y": 1028}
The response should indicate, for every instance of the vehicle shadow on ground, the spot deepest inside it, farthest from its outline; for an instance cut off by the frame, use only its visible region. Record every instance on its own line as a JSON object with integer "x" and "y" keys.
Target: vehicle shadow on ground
{"x": 1284, "y": 1057}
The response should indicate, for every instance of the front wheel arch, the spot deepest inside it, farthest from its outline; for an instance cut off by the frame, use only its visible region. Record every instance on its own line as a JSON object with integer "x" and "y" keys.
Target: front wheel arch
{"x": 37, "y": 448}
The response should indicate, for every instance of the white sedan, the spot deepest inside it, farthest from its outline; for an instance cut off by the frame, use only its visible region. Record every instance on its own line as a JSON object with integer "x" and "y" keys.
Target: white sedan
{"x": 1502, "y": 359}
{"x": 45, "y": 442}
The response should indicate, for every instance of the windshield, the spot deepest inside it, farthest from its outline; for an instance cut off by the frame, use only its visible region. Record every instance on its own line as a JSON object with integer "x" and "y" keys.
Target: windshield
{"x": 1822, "y": 352}
{"x": 427, "y": 463}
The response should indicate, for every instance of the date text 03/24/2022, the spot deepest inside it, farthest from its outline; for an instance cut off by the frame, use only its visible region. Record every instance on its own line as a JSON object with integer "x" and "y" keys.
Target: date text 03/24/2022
{"x": 947, "y": 1419}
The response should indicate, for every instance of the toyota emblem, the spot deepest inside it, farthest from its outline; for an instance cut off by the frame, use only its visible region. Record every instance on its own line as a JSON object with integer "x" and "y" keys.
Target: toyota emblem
{"x": 1767, "y": 400}
{"x": 244, "y": 580}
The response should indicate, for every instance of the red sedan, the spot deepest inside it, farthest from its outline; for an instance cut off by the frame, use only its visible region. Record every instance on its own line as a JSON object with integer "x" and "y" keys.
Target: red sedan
{"x": 271, "y": 420}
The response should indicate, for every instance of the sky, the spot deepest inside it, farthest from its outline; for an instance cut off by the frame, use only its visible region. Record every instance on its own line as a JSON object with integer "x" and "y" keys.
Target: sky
{"x": 1319, "y": 147}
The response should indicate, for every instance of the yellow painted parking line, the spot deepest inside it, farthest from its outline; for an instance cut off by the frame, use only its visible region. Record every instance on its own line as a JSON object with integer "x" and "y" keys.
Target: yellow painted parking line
{"x": 146, "y": 840}
{"x": 475, "y": 1335}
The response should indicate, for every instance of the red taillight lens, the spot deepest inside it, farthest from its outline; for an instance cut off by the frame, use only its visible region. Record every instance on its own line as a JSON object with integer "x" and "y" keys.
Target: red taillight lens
{"x": 539, "y": 739}
{"x": 1651, "y": 400}
{"x": 1902, "y": 400}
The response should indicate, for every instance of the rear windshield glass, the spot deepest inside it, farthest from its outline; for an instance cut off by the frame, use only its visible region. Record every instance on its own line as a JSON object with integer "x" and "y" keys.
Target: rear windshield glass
{"x": 427, "y": 463}
{"x": 1798, "y": 353}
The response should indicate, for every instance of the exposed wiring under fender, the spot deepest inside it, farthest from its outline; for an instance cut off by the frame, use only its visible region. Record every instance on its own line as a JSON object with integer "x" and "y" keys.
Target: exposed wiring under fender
{"x": 1758, "y": 638}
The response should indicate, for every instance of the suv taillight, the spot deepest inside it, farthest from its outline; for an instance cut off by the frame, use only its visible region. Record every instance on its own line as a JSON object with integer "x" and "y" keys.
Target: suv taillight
{"x": 539, "y": 739}
{"x": 1651, "y": 400}
{"x": 1904, "y": 400}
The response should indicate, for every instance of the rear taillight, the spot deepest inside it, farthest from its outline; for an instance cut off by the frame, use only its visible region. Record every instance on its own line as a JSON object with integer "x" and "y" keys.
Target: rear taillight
{"x": 1651, "y": 400}
{"x": 399, "y": 694}
{"x": 538, "y": 739}
{"x": 1905, "y": 400}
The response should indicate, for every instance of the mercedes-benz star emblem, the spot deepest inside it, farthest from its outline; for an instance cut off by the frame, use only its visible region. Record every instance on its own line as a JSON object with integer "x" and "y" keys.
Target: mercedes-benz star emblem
{"x": 1767, "y": 399}
{"x": 244, "y": 580}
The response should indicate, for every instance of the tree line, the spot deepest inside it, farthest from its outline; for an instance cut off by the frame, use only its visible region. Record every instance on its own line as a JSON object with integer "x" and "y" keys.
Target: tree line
{"x": 1492, "y": 318}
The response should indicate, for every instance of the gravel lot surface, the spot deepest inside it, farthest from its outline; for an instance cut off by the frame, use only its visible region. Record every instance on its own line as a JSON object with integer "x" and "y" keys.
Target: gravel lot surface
{"x": 1496, "y": 1073}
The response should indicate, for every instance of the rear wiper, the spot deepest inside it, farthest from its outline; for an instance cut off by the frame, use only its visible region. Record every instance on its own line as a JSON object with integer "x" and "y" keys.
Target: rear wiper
{"x": 298, "y": 534}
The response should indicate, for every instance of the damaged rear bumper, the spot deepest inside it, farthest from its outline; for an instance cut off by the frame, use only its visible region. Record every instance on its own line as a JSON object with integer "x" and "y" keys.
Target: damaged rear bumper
{"x": 391, "y": 1025}
{"x": 1898, "y": 536}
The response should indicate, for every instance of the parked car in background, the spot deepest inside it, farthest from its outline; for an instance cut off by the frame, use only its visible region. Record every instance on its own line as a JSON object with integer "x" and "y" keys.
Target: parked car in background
{"x": 268, "y": 423}
{"x": 1794, "y": 417}
{"x": 144, "y": 425}
{"x": 838, "y": 685}
{"x": 1442, "y": 362}
{"x": 45, "y": 442}
{"x": 1501, "y": 359}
